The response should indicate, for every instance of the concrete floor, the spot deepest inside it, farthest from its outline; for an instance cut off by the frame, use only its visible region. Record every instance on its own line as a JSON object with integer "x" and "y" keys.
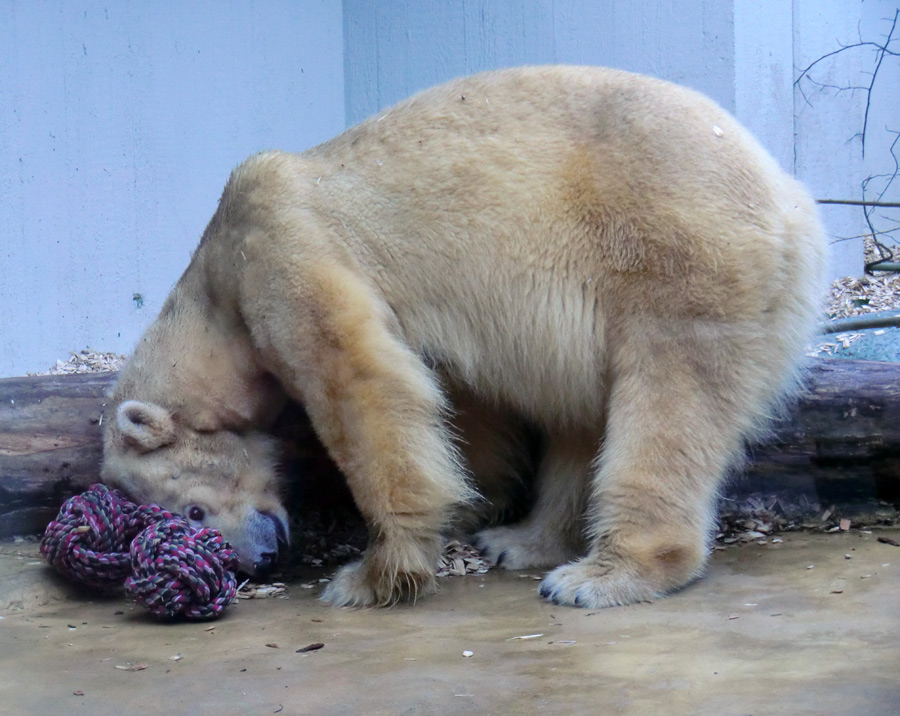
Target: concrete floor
{"x": 764, "y": 633}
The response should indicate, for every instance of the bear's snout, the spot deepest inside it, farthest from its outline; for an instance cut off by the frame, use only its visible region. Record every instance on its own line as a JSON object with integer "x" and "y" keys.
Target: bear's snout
{"x": 266, "y": 534}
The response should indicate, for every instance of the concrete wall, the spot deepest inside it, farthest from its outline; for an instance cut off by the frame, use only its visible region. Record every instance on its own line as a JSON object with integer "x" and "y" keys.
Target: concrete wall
{"x": 119, "y": 124}
{"x": 396, "y": 48}
{"x": 763, "y": 73}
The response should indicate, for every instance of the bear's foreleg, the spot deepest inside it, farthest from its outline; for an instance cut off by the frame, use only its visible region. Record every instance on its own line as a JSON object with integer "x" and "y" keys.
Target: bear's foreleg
{"x": 380, "y": 413}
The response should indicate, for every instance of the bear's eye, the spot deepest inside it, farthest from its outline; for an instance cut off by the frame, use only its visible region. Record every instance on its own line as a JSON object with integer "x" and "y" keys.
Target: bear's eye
{"x": 195, "y": 513}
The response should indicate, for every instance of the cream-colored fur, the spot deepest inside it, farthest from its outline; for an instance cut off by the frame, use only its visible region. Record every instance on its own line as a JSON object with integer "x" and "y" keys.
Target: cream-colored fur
{"x": 607, "y": 256}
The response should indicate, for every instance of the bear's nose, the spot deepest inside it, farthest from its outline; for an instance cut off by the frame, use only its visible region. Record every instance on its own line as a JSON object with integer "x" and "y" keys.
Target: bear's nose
{"x": 264, "y": 564}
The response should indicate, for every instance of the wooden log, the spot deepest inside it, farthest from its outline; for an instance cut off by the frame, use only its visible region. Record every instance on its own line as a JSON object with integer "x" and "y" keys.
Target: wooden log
{"x": 840, "y": 441}
{"x": 50, "y": 445}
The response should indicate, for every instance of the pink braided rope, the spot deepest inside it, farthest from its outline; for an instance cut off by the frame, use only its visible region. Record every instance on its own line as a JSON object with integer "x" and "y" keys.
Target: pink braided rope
{"x": 100, "y": 538}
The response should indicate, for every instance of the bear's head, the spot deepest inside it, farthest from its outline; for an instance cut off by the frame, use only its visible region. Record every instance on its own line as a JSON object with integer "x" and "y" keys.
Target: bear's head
{"x": 214, "y": 478}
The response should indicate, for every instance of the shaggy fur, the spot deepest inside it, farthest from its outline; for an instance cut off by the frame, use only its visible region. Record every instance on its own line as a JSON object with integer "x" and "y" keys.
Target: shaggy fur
{"x": 609, "y": 257}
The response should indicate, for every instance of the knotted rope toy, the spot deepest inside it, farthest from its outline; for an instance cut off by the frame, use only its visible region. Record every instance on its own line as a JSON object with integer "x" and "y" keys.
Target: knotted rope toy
{"x": 100, "y": 538}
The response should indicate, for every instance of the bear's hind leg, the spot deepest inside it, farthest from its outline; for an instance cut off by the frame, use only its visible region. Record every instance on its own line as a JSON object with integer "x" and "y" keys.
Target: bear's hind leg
{"x": 494, "y": 445}
{"x": 679, "y": 406}
{"x": 553, "y": 532}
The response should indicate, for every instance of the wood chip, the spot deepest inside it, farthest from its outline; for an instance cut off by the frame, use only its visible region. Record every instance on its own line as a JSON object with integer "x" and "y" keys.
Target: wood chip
{"x": 131, "y": 667}
{"x": 752, "y": 535}
{"x": 459, "y": 559}
{"x": 853, "y": 296}
{"x": 310, "y": 647}
{"x": 249, "y": 590}
{"x": 86, "y": 361}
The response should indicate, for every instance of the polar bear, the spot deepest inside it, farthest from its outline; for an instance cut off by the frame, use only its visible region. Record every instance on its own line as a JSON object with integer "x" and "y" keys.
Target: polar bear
{"x": 606, "y": 256}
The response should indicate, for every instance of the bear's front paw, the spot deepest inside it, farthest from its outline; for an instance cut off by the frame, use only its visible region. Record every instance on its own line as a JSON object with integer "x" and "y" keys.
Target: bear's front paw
{"x": 364, "y": 584}
{"x": 594, "y": 585}
{"x": 522, "y": 547}
{"x": 348, "y": 588}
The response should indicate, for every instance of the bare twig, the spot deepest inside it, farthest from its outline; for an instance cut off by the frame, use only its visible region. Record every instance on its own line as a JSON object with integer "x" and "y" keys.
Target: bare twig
{"x": 856, "y": 202}
{"x": 881, "y": 49}
{"x": 869, "y": 207}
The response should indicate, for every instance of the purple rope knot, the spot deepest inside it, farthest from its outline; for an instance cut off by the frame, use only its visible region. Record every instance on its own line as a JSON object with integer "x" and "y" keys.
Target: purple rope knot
{"x": 179, "y": 570}
{"x": 100, "y": 539}
{"x": 89, "y": 539}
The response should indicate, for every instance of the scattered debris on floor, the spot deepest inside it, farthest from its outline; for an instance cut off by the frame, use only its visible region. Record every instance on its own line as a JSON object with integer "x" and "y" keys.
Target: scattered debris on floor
{"x": 758, "y": 518}
{"x": 248, "y": 590}
{"x": 460, "y": 559}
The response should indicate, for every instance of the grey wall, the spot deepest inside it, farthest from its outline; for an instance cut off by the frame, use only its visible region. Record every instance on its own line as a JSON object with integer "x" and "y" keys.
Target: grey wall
{"x": 119, "y": 124}
{"x": 393, "y": 49}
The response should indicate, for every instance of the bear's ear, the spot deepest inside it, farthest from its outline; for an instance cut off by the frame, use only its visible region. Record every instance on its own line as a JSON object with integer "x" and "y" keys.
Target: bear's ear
{"x": 145, "y": 426}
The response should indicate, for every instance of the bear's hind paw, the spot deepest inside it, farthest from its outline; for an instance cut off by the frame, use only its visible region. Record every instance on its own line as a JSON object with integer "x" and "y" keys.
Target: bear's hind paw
{"x": 522, "y": 547}
{"x": 593, "y": 585}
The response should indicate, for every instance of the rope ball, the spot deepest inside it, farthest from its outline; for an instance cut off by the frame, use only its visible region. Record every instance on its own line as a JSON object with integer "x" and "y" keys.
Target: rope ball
{"x": 100, "y": 539}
